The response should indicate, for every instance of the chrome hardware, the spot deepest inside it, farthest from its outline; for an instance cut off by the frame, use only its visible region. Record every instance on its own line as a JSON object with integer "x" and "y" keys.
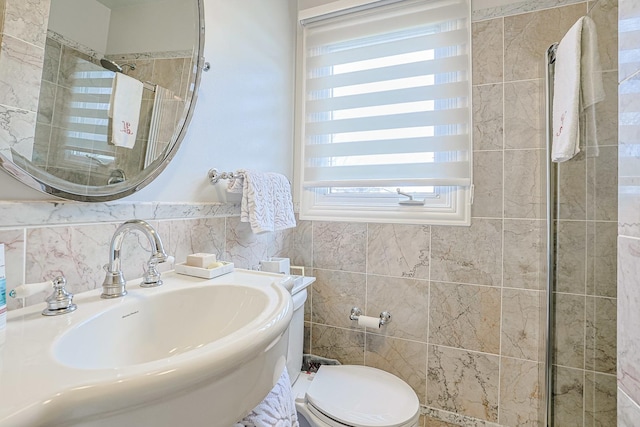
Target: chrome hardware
{"x": 215, "y": 176}
{"x": 385, "y": 316}
{"x": 409, "y": 202}
{"x": 206, "y": 66}
{"x": 151, "y": 277}
{"x": 114, "y": 284}
{"x": 60, "y": 301}
{"x": 116, "y": 176}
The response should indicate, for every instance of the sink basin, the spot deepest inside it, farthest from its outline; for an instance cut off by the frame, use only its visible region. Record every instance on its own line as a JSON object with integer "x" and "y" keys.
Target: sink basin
{"x": 164, "y": 325}
{"x": 193, "y": 352}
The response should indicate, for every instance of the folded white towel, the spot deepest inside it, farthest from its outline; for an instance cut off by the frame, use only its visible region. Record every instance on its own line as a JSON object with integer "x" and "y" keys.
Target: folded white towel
{"x": 278, "y": 409}
{"x": 124, "y": 110}
{"x": 266, "y": 200}
{"x": 577, "y": 86}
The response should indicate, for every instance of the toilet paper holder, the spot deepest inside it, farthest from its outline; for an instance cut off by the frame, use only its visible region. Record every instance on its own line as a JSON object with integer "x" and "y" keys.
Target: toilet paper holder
{"x": 385, "y": 316}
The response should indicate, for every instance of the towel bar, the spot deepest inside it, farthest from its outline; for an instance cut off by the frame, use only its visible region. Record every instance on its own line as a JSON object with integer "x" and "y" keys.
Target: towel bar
{"x": 215, "y": 176}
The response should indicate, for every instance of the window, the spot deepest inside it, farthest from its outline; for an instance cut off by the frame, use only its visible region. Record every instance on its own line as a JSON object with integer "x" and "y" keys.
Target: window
{"x": 386, "y": 110}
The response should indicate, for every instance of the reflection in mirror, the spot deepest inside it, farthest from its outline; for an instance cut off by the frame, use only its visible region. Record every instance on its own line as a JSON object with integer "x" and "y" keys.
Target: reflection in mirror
{"x": 115, "y": 93}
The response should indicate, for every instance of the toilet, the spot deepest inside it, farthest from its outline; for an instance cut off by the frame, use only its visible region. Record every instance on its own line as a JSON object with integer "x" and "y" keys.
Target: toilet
{"x": 345, "y": 395}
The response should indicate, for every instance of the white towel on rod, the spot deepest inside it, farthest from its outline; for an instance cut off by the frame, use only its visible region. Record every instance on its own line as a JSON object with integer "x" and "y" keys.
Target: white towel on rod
{"x": 124, "y": 110}
{"x": 577, "y": 86}
{"x": 266, "y": 203}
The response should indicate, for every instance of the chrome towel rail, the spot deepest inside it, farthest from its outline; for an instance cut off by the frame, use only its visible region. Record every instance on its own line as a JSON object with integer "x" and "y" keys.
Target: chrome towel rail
{"x": 215, "y": 176}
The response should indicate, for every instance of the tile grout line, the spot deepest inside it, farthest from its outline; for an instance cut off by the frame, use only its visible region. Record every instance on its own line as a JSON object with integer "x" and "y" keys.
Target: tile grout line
{"x": 504, "y": 144}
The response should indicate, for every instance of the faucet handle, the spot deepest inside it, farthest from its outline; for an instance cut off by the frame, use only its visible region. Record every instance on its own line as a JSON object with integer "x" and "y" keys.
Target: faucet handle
{"x": 151, "y": 277}
{"x": 60, "y": 301}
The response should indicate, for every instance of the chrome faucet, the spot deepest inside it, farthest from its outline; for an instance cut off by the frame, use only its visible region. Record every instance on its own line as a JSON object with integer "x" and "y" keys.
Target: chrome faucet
{"x": 114, "y": 284}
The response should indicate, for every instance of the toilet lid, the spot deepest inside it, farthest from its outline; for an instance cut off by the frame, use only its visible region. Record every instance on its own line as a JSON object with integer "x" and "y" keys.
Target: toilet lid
{"x": 362, "y": 396}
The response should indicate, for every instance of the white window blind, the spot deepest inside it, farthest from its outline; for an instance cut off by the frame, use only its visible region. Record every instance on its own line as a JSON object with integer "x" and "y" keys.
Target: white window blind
{"x": 387, "y": 102}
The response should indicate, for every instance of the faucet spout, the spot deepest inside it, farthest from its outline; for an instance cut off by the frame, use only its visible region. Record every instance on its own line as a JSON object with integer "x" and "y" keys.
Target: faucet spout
{"x": 114, "y": 284}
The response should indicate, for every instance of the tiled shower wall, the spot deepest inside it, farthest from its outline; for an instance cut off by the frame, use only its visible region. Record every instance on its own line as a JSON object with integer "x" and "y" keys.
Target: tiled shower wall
{"x": 629, "y": 217}
{"x": 585, "y": 297}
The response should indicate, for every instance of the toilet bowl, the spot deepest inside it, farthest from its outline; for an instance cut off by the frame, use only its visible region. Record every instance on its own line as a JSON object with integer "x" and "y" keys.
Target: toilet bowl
{"x": 345, "y": 395}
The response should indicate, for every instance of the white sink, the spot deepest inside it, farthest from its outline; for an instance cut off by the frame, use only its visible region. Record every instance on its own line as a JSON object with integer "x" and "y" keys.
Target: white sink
{"x": 192, "y": 352}
{"x": 163, "y": 325}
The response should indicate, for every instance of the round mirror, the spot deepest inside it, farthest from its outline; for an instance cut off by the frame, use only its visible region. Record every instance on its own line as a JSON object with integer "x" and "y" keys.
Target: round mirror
{"x": 111, "y": 97}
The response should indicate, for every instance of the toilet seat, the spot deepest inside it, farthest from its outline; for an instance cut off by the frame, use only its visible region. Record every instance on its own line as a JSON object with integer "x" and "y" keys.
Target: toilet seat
{"x": 361, "y": 396}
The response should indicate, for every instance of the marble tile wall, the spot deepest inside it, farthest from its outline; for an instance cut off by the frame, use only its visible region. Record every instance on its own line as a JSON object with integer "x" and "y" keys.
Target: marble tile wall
{"x": 77, "y": 249}
{"x": 468, "y": 302}
{"x": 628, "y": 369}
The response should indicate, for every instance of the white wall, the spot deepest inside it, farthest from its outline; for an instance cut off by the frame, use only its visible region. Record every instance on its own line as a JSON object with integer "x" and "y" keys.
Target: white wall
{"x": 85, "y": 21}
{"x": 244, "y": 112}
{"x": 135, "y": 28}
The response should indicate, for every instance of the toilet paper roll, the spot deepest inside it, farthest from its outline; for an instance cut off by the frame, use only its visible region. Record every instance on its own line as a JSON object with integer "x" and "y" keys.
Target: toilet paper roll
{"x": 369, "y": 322}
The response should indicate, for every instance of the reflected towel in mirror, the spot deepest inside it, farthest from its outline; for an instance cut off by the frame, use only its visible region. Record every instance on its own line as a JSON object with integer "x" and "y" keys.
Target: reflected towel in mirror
{"x": 124, "y": 110}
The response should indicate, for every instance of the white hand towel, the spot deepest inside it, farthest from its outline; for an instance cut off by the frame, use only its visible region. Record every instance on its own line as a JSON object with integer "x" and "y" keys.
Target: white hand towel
{"x": 266, "y": 200}
{"x": 592, "y": 86}
{"x": 278, "y": 409}
{"x": 124, "y": 110}
{"x": 577, "y": 85}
